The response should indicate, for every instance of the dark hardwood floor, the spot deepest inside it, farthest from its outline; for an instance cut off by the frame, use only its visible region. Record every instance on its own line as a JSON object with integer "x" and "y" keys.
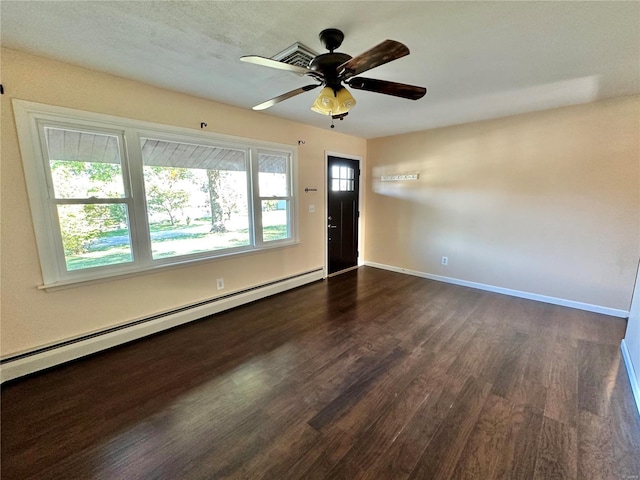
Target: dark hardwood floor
{"x": 369, "y": 375}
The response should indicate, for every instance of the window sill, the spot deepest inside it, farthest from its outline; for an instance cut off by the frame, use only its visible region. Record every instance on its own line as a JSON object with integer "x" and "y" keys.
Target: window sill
{"x": 75, "y": 283}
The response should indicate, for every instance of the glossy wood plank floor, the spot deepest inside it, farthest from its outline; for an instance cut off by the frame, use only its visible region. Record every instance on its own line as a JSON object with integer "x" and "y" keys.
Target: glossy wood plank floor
{"x": 369, "y": 375}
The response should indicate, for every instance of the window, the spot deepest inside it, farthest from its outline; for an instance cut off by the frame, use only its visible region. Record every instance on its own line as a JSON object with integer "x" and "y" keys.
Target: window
{"x": 112, "y": 196}
{"x": 89, "y": 196}
{"x": 342, "y": 179}
{"x": 196, "y": 197}
{"x": 274, "y": 195}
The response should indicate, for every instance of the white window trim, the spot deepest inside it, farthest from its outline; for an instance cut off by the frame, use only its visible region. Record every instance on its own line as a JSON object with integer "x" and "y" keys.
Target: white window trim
{"x": 29, "y": 115}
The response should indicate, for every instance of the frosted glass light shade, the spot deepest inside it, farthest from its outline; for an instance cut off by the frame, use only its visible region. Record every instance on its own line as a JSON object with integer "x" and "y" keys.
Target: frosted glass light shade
{"x": 345, "y": 101}
{"x": 330, "y": 102}
{"x": 326, "y": 102}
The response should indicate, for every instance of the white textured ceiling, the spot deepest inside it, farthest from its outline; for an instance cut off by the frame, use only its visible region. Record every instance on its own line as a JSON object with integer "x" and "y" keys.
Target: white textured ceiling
{"x": 478, "y": 60}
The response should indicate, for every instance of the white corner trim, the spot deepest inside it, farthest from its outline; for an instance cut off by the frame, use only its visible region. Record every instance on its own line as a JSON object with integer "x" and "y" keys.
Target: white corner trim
{"x": 631, "y": 372}
{"x": 614, "y": 312}
{"x": 40, "y": 359}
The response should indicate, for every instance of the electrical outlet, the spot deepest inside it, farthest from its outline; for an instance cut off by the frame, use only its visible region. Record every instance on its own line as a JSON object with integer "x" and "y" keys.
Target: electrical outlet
{"x": 312, "y": 208}
{"x": 445, "y": 261}
{"x": 220, "y": 283}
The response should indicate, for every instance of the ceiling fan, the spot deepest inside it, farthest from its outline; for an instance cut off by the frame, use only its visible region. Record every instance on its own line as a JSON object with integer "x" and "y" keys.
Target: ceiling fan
{"x": 334, "y": 69}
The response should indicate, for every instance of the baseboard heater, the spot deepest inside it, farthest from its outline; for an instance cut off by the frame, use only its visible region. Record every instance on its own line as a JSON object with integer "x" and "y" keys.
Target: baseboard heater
{"x": 16, "y": 366}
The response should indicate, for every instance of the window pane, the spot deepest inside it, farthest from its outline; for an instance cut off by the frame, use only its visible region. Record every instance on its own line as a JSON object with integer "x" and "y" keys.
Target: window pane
{"x": 274, "y": 220}
{"x": 196, "y": 197}
{"x": 273, "y": 174}
{"x": 84, "y": 164}
{"x": 94, "y": 235}
{"x": 342, "y": 178}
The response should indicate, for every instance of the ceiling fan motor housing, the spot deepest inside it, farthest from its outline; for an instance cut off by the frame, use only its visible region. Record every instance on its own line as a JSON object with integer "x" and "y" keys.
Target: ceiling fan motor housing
{"x": 327, "y": 64}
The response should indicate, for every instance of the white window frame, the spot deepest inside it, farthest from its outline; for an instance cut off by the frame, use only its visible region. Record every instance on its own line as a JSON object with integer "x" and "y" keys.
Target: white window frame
{"x": 257, "y": 199}
{"x": 31, "y": 118}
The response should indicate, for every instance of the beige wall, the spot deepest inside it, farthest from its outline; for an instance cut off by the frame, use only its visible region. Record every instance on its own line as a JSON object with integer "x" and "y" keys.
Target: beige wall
{"x": 31, "y": 317}
{"x": 546, "y": 203}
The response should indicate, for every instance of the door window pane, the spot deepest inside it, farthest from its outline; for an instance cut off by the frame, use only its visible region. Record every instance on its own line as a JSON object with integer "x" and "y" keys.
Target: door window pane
{"x": 342, "y": 179}
{"x": 196, "y": 197}
{"x": 95, "y": 235}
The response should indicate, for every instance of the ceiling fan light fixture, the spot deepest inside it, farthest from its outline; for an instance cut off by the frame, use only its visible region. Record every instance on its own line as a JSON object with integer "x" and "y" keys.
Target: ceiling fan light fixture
{"x": 345, "y": 101}
{"x": 326, "y": 102}
{"x": 331, "y": 102}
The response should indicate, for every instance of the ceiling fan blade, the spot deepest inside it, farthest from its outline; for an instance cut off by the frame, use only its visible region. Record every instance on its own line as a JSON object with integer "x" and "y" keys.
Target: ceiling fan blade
{"x": 269, "y": 62}
{"x": 284, "y": 96}
{"x": 379, "y": 55}
{"x": 403, "y": 90}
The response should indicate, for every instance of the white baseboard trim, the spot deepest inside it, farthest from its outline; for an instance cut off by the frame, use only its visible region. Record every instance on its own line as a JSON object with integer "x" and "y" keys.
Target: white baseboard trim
{"x": 42, "y": 358}
{"x": 631, "y": 372}
{"x": 507, "y": 291}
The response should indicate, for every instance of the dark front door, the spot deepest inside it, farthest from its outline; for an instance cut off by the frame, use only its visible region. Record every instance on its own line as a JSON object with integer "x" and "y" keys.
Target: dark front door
{"x": 343, "y": 213}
